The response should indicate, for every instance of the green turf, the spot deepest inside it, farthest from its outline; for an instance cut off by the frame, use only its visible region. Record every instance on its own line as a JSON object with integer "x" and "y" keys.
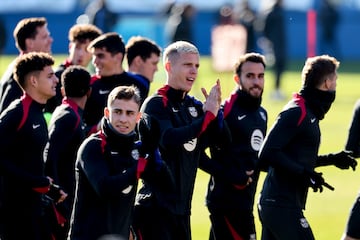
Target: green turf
{"x": 327, "y": 212}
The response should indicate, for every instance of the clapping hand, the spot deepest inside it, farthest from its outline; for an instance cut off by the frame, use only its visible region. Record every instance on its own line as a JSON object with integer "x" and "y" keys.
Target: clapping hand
{"x": 213, "y": 99}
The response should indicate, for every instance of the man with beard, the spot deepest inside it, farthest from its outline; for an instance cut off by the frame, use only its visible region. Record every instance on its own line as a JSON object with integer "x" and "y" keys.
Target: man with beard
{"x": 230, "y": 196}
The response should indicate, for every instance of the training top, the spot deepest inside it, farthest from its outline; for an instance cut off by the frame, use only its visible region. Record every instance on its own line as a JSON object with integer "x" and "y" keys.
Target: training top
{"x": 181, "y": 122}
{"x": 291, "y": 146}
{"x": 100, "y": 89}
{"x": 353, "y": 141}
{"x": 24, "y": 135}
{"x": 247, "y": 121}
{"x": 106, "y": 185}
{"x": 9, "y": 88}
{"x": 66, "y": 133}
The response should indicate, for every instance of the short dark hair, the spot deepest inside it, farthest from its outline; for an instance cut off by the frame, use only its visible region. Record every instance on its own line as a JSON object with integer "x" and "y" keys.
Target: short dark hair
{"x": 27, "y": 28}
{"x": 76, "y": 81}
{"x": 248, "y": 57}
{"x": 83, "y": 32}
{"x": 124, "y": 92}
{"x": 111, "y": 41}
{"x": 31, "y": 62}
{"x": 141, "y": 46}
{"x": 317, "y": 69}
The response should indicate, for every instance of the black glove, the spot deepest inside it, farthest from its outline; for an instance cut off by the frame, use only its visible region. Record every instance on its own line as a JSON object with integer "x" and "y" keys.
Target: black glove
{"x": 316, "y": 181}
{"x": 239, "y": 179}
{"x": 54, "y": 192}
{"x": 343, "y": 160}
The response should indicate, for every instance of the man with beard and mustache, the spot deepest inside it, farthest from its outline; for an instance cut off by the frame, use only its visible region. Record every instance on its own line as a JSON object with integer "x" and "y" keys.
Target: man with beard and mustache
{"x": 290, "y": 154}
{"x": 231, "y": 191}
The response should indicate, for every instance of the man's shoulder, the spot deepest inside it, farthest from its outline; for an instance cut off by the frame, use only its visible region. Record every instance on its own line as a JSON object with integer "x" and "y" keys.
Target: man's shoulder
{"x": 64, "y": 113}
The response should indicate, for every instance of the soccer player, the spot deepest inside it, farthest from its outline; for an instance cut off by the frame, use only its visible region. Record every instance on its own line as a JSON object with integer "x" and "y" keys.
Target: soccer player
{"x": 108, "y": 166}
{"x": 352, "y": 231}
{"x": 290, "y": 150}
{"x": 31, "y": 35}
{"x": 143, "y": 56}
{"x": 108, "y": 51}
{"x": 179, "y": 125}
{"x": 80, "y": 35}
{"x": 21, "y": 162}
{"x": 230, "y": 196}
{"x": 66, "y": 133}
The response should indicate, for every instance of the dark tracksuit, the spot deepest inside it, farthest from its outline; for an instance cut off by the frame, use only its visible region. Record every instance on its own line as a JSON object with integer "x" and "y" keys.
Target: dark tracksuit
{"x": 290, "y": 147}
{"x": 23, "y": 168}
{"x": 231, "y": 202}
{"x": 165, "y": 213}
{"x": 100, "y": 89}
{"x": 66, "y": 133}
{"x": 353, "y": 144}
{"x": 9, "y": 88}
{"x": 106, "y": 185}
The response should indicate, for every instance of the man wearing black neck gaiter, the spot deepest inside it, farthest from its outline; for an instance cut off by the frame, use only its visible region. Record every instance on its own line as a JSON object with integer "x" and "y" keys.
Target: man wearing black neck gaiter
{"x": 290, "y": 154}
{"x": 232, "y": 187}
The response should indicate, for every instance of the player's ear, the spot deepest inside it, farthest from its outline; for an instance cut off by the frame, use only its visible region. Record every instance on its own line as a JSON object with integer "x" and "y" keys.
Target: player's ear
{"x": 106, "y": 112}
{"x": 167, "y": 66}
{"x": 62, "y": 89}
{"x": 137, "y": 60}
{"x": 237, "y": 79}
{"x": 138, "y": 117}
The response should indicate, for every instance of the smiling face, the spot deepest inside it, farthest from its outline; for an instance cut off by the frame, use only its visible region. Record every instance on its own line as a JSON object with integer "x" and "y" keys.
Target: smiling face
{"x": 123, "y": 115}
{"x": 251, "y": 79}
{"x": 182, "y": 71}
{"x": 106, "y": 64}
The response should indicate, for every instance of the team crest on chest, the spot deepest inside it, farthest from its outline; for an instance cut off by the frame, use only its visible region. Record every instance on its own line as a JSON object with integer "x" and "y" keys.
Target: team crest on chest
{"x": 135, "y": 154}
{"x": 263, "y": 116}
{"x": 304, "y": 223}
{"x": 193, "y": 112}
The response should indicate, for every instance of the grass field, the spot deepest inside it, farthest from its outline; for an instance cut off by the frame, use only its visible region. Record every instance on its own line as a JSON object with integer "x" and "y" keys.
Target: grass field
{"x": 326, "y": 212}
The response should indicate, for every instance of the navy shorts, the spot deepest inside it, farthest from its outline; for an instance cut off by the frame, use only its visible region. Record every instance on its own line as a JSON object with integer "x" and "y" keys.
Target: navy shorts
{"x": 232, "y": 225}
{"x": 283, "y": 223}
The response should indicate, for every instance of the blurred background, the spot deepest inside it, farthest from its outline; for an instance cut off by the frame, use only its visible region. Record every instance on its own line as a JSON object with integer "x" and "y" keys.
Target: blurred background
{"x": 312, "y": 26}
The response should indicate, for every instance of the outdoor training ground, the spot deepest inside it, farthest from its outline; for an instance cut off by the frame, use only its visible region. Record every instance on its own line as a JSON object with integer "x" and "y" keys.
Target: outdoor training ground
{"x": 326, "y": 212}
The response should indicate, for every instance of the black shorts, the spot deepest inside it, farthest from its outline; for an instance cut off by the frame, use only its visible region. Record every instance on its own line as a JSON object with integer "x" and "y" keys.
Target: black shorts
{"x": 232, "y": 225}
{"x": 352, "y": 228}
{"x": 153, "y": 222}
{"x": 284, "y": 223}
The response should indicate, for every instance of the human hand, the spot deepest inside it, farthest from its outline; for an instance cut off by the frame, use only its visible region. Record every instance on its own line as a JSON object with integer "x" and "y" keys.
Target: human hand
{"x": 213, "y": 99}
{"x": 63, "y": 196}
{"x": 343, "y": 160}
{"x": 56, "y": 193}
{"x": 246, "y": 180}
{"x": 316, "y": 181}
